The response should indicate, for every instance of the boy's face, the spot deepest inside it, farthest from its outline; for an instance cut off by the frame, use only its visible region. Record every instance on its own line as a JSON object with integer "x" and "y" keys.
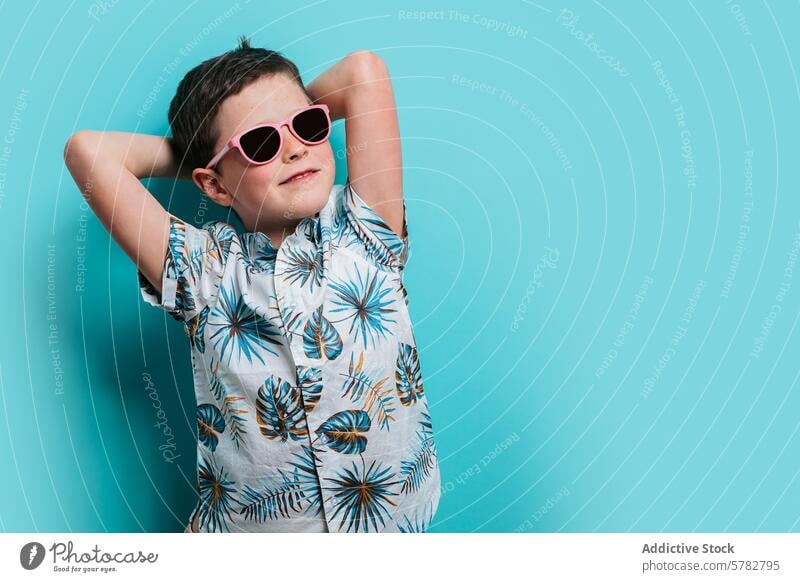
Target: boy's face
{"x": 256, "y": 192}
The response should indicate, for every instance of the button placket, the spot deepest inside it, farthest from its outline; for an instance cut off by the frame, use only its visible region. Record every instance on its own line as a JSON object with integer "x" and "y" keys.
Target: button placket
{"x": 291, "y": 297}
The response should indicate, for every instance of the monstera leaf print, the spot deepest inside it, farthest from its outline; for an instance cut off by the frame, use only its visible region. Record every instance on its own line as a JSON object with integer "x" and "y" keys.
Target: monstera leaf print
{"x": 375, "y": 396}
{"x": 196, "y": 330}
{"x": 240, "y": 329}
{"x": 309, "y": 381}
{"x": 407, "y": 375}
{"x": 320, "y": 338}
{"x": 414, "y": 471}
{"x": 361, "y": 496}
{"x": 366, "y": 302}
{"x": 279, "y": 410}
{"x": 230, "y": 404}
{"x": 210, "y": 425}
{"x": 302, "y": 266}
{"x": 217, "y": 496}
{"x": 343, "y": 432}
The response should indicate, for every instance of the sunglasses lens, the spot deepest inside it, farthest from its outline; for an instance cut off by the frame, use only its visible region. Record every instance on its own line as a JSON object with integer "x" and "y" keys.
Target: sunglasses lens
{"x": 260, "y": 144}
{"x": 312, "y": 125}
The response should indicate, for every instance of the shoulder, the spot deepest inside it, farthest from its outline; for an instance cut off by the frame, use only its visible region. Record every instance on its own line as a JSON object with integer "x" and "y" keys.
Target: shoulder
{"x": 221, "y": 231}
{"x": 221, "y": 237}
{"x": 217, "y": 227}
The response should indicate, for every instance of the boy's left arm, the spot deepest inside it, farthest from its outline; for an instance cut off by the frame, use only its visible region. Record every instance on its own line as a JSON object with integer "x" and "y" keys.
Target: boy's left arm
{"x": 359, "y": 89}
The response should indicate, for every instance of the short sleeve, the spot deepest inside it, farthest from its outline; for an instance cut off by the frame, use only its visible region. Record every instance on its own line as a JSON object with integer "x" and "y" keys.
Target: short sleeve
{"x": 383, "y": 244}
{"x": 193, "y": 267}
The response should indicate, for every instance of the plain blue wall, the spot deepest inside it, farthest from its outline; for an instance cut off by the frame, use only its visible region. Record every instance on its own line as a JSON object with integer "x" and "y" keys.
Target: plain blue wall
{"x": 603, "y": 214}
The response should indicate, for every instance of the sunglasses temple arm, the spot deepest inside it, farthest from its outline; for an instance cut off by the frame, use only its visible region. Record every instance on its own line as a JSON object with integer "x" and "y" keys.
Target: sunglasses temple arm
{"x": 218, "y": 157}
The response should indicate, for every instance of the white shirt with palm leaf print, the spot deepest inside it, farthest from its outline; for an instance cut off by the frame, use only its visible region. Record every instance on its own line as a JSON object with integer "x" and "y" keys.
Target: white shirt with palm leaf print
{"x": 311, "y": 413}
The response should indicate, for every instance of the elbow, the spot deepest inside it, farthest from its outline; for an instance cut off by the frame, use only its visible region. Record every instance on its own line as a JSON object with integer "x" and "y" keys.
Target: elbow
{"x": 79, "y": 147}
{"x": 367, "y": 66}
{"x": 80, "y": 154}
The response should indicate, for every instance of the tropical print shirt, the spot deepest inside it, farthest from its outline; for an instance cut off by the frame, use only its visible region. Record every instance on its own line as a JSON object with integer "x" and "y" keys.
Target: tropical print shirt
{"x": 311, "y": 413}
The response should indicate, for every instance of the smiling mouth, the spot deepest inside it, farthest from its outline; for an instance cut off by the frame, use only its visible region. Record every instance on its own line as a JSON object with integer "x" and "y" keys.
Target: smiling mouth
{"x": 302, "y": 177}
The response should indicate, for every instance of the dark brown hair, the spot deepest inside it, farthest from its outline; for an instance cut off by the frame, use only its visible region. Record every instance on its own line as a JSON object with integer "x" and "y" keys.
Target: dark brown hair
{"x": 203, "y": 89}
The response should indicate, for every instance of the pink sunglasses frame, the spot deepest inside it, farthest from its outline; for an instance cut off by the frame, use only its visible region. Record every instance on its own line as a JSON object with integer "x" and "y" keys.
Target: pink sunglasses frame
{"x": 234, "y": 144}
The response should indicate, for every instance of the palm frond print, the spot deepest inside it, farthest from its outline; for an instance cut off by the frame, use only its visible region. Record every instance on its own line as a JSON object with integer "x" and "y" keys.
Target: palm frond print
{"x": 408, "y": 378}
{"x": 375, "y": 396}
{"x": 230, "y": 405}
{"x": 289, "y": 320}
{"x": 272, "y": 501}
{"x": 184, "y": 299}
{"x": 421, "y": 523}
{"x": 416, "y": 470}
{"x": 311, "y": 411}
{"x": 210, "y": 424}
{"x": 196, "y": 328}
{"x": 385, "y": 234}
{"x": 361, "y": 495}
{"x": 240, "y": 329}
{"x": 279, "y": 410}
{"x": 305, "y": 473}
{"x": 217, "y": 496}
{"x": 383, "y": 243}
{"x": 365, "y": 303}
{"x": 179, "y": 264}
{"x": 302, "y": 266}
{"x": 195, "y": 258}
{"x": 337, "y": 226}
{"x": 220, "y": 243}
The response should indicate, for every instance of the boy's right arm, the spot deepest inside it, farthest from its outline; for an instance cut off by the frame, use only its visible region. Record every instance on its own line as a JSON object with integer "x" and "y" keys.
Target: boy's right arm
{"x": 107, "y": 166}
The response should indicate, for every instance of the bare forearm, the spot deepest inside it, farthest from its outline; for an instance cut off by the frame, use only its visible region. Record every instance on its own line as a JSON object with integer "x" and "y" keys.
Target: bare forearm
{"x": 142, "y": 155}
{"x": 107, "y": 167}
{"x": 334, "y": 86}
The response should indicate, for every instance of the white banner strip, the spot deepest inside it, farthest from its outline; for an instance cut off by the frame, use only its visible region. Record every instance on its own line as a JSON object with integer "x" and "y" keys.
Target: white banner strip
{"x": 401, "y": 557}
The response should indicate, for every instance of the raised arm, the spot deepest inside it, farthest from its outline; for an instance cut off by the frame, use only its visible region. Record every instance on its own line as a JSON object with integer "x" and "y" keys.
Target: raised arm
{"x": 107, "y": 167}
{"x": 359, "y": 89}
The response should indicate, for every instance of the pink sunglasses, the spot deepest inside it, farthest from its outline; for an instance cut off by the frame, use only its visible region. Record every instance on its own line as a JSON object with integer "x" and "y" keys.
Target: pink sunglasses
{"x": 262, "y": 143}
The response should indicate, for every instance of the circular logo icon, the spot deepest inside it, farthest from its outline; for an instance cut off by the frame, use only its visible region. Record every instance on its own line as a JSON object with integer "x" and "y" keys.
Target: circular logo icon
{"x": 31, "y": 555}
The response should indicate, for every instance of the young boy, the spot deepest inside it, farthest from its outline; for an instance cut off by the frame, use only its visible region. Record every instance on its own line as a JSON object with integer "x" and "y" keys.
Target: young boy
{"x": 311, "y": 414}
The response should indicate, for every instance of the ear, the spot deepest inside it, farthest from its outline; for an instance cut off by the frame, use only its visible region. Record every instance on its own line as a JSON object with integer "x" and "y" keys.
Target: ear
{"x": 209, "y": 182}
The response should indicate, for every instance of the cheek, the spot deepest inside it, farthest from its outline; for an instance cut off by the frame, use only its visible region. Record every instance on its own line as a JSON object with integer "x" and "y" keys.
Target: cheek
{"x": 326, "y": 158}
{"x": 328, "y": 154}
{"x": 258, "y": 179}
{"x": 244, "y": 179}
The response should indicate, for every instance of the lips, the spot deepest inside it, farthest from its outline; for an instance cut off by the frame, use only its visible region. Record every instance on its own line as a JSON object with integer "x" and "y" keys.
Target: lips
{"x": 300, "y": 175}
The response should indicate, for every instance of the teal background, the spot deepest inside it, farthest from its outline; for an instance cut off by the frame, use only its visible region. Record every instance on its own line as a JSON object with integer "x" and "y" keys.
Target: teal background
{"x": 605, "y": 301}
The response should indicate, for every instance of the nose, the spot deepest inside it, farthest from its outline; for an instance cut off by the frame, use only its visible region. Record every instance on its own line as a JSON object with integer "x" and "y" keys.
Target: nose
{"x": 293, "y": 148}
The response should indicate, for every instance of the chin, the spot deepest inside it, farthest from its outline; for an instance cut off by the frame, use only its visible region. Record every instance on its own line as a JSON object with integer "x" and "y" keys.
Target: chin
{"x": 309, "y": 202}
